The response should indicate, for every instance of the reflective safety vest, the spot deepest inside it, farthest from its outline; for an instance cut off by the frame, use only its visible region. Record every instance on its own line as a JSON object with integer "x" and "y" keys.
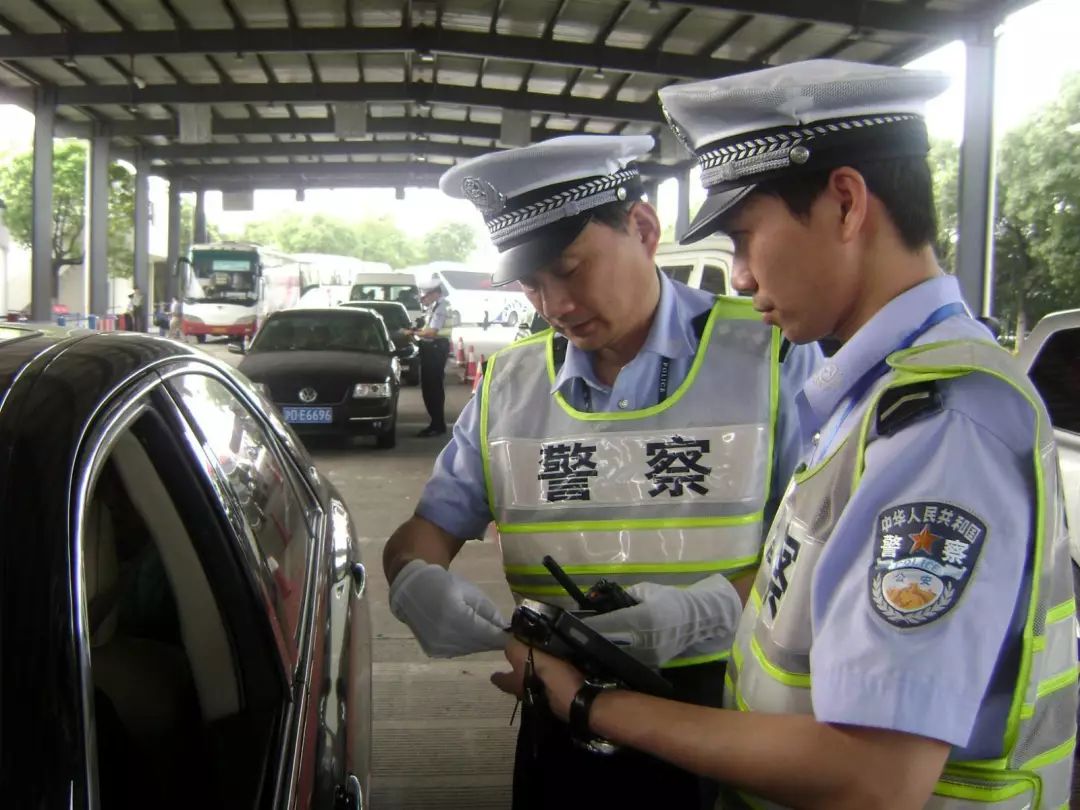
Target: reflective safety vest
{"x": 670, "y": 494}
{"x": 770, "y": 663}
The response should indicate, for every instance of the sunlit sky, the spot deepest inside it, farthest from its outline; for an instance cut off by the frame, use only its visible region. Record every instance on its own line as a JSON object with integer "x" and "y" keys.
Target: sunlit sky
{"x": 1037, "y": 46}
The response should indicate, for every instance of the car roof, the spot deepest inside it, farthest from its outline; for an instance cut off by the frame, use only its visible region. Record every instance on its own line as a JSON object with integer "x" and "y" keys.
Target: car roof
{"x": 372, "y": 304}
{"x": 318, "y": 311}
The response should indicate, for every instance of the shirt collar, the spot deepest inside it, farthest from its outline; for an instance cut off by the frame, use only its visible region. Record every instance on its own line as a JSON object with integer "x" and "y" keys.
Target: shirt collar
{"x": 877, "y": 339}
{"x": 671, "y": 335}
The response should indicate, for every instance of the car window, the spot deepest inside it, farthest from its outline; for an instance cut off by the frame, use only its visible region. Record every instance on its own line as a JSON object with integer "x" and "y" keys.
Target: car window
{"x": 394, "y": 316}
{"x": 321, "y": 331}
{"x": 405, "y": 294}
{"x": 280, "y": 519}
{"x": 713, "y": 280}
{"x": 680, "y": 272}
{"x": 1056, "y": 374}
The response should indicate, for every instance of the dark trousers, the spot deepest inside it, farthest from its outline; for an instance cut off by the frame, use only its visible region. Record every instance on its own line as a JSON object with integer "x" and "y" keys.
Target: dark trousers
{"x": 552, "y": 773}
{"x": 433, "y": 354}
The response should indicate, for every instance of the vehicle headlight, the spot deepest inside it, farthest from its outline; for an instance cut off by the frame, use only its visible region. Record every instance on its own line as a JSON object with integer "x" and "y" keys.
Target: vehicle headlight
{"x": 262, "y": 388}
{"x": 395, "y": 368}
{"x": 371, "y": 390}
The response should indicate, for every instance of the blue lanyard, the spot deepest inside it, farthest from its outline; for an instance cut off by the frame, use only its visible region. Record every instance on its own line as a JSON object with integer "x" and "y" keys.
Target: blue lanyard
{"x": 661, "y": 385}
{"x": 864, "y": 383}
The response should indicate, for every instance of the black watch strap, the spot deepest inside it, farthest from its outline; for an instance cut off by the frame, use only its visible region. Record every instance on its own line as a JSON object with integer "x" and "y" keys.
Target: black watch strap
{"x": 579, "y": 709}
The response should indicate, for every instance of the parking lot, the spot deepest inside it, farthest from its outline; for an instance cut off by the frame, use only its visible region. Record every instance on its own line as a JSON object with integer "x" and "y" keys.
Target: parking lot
{"x": 442, "y": 734}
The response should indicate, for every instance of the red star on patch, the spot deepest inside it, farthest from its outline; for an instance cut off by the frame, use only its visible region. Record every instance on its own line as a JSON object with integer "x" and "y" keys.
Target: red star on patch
{"x": 923, "y": 541}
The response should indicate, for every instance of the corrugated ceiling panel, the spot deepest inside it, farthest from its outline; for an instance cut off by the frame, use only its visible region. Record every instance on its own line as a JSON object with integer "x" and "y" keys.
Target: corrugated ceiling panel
{"x": 263, "y": 13}
{"x": 203, "y": 14}
{"x": 337, "y": 67}
{"x": 84, "y": 16}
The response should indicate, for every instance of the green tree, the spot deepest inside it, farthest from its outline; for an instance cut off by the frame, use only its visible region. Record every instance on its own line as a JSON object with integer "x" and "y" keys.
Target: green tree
{"x": 450, "y": 241}
{"x": 1037, "y": 217}
{"x": 381, "y": 240}
{"x": 69, "y": 207}
{"x": 944, "y": 161}
{"x": 187, "y": 228}
{"x": 295, "y": 233}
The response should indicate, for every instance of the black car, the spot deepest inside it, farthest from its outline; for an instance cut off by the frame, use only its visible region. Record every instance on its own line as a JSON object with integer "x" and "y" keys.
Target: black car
{"x": 329, "y": 371}
{"x": 182, "y": 611}
{"x": 396, "y": 318}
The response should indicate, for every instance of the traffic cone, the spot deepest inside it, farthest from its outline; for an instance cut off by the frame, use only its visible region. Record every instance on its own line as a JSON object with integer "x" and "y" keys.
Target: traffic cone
{"x": 479, "y": 375}
{"x": 460, "y": 357}
{"x": 470, "y": 367}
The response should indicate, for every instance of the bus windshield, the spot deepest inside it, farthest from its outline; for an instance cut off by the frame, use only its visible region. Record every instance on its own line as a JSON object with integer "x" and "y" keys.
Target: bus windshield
{"x": 223, "y": 277}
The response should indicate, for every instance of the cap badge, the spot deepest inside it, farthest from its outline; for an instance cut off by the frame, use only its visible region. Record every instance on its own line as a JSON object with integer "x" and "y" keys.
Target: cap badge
{"x": 483, "y": 195}
{"x": 799, "y": 155}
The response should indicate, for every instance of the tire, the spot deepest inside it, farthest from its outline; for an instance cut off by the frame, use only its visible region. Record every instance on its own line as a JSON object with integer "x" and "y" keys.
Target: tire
{"x": 512, "y": 318}
{"x": 455, "y": 319}
{"x": 412, "y": 378}
{"x": 201, "y": 338}
{"x": 387, "y": 440}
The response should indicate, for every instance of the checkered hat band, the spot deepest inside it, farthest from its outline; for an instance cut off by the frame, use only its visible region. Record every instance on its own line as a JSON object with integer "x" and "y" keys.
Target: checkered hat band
{"x": 778, "y": 149}
{"x": 571, "y": 202}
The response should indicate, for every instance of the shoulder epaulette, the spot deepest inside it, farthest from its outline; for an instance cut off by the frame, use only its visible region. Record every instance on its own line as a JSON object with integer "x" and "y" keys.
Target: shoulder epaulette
{"x": 904, "y": 404}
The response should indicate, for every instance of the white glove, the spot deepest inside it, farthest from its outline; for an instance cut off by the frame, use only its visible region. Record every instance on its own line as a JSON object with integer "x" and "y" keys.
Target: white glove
{"x": 448, "y": 615}
{"x": 669, "y": 621}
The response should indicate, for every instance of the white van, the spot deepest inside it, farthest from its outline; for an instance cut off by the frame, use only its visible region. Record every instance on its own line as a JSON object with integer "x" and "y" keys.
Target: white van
{"x": 397, "y": 286}
{"x": 704, "y": 265}
{"x": 472, "y": 298}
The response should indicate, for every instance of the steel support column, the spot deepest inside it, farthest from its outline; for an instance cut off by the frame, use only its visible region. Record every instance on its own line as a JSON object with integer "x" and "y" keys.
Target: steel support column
{"x": 41, "y": 284}
{"x": 199, "y": 236}
{"x": 143, "y": 279}
{"x": 974, "y": 250}
{"x": 682, "y": 213}
{"x": 97, "y": 223}
{"x": 173, "y": 251}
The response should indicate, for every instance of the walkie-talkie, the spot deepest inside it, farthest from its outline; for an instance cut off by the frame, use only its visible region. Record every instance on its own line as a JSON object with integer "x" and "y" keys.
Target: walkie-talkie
{"x": 603, "y": 597}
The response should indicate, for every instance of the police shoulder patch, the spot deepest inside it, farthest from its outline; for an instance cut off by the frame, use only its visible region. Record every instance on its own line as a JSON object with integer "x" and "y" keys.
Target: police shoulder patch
{"x": 924, "y": 553}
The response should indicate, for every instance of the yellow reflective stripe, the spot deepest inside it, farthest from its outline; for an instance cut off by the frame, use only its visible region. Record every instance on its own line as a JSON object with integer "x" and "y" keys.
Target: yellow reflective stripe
{"x": 485, "y": 447}
{"x": 639, "y": 568}
{"x": 730, "y": 685}
{"x": 984, "y": 794}
{"x": 620, "y": 525}
{"x": 1048, "y": 687}
{"x": 660, "y": 407}
{"x": 782, "y": 675}
{"x": 694, "y": 660}
{"x": 1059, "y": 612}
{"x": 1038, "y": 644}
{"x": 755, "y": 597}
{"x": 1055, "y": 754}
{"x": 1051, "y": 685}
{"x": 736, "y": 656}
{"x": 735, "y": 308}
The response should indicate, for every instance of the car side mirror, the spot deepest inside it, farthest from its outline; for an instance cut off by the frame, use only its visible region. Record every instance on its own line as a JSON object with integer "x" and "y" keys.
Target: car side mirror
{"x": 404, "y": 352}
{"x": 237, "y": 348}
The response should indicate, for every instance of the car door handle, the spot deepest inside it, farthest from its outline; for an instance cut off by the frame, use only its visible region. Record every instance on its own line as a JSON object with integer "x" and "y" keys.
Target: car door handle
{"x": 359, "y": 577}
{"x": 349, "y": 796}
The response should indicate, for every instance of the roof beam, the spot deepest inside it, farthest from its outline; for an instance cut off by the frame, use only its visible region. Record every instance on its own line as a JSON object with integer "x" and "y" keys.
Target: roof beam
{"x": 332, "y": 175}
{"x": 310, "y": 126}
{"x": 344, "y": 40}
{"x": 385, "y": 92}
{"x": 308, "y": 149}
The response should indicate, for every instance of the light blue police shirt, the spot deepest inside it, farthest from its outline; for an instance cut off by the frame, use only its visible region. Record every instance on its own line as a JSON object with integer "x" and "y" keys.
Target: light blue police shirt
{"x": 437, "y": 314}
{"x": 937, "y": 679}
{"x": 454, "y": 497}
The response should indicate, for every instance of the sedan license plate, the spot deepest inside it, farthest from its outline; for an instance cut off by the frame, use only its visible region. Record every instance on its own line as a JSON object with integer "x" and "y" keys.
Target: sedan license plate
{"x": 219, "y": 330}
{"x": 308, "y": 416}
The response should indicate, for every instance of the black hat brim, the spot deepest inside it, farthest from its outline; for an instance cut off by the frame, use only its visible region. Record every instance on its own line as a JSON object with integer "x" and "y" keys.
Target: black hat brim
{"x": 538, "y": 250}
{"x": 705, "y": 223}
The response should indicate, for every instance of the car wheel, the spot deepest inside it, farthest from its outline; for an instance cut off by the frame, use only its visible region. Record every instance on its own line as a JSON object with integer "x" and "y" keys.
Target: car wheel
{"x": 388, "y": 438}
{"x": 455, "y": 319}
{"x": 413, "y": 378}
{"x": 512, "y": 319}
{"x": 201, "y": 338}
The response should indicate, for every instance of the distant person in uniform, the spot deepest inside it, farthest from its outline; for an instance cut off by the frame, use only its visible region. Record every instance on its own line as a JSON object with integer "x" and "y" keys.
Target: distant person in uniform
{"x": 910, "y": 639}
{"x": 434, "y": 350}
{"x": 175, "y": 317}
{"x": 645, "y": 441}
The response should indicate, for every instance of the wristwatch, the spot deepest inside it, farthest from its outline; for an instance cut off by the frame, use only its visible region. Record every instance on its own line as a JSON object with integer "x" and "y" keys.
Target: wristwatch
{"x": 579, "y": 718}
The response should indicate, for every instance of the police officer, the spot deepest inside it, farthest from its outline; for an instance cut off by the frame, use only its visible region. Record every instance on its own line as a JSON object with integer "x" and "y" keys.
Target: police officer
{"x": 434, "y": 349}
{"x": 639, "y": 441}
{"x": 909, "y": 640}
